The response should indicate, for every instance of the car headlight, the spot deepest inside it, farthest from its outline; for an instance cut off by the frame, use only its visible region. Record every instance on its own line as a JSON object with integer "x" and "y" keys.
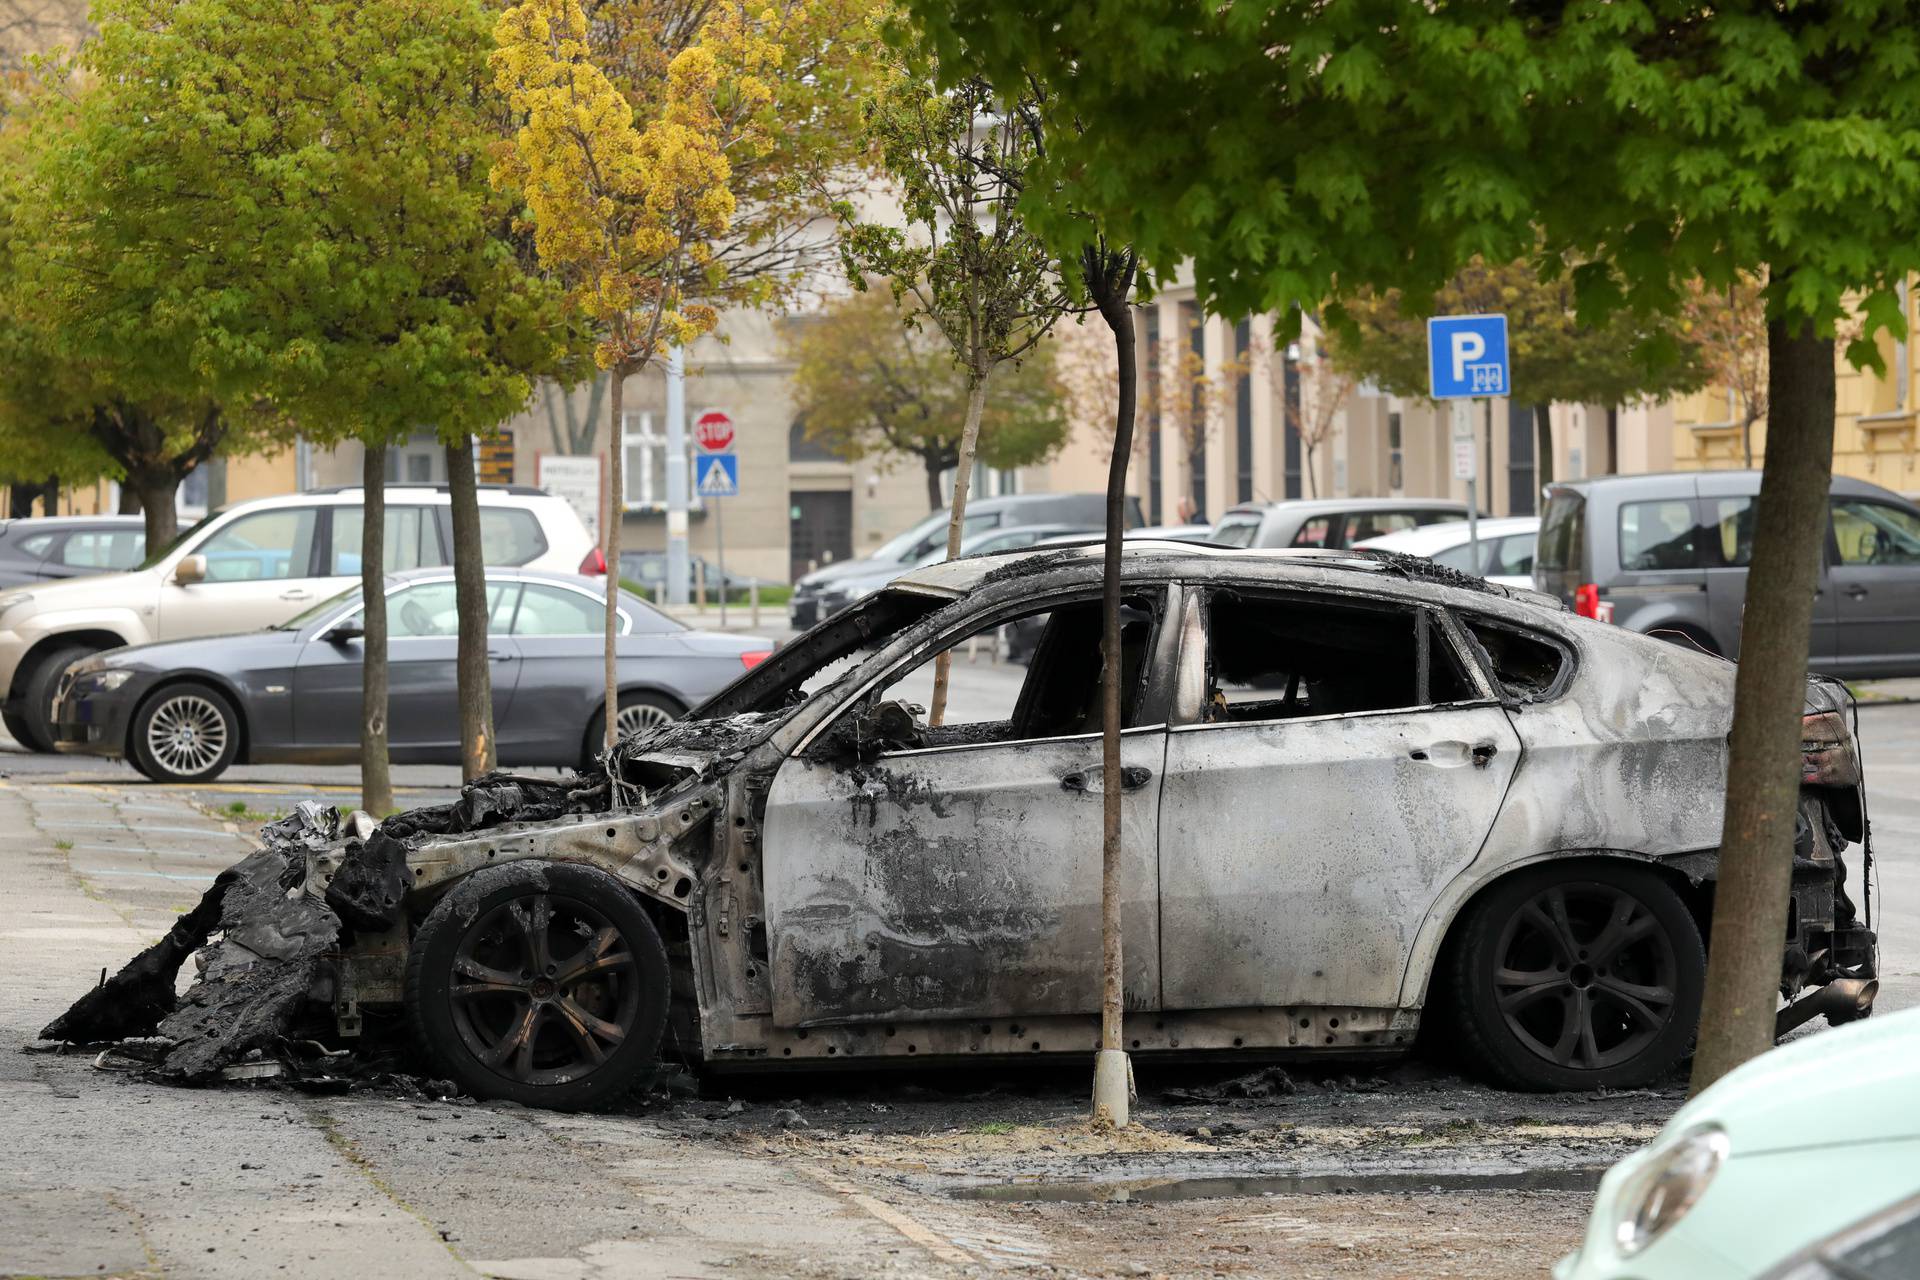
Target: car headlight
{"x": 8, "y": 603}
{"x": 1669, "y": 1185}
{"x": 104, "y": 681}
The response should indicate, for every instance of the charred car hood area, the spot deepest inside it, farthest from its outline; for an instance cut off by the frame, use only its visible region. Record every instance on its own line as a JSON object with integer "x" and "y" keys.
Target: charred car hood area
{"x": 1359, "y": 792}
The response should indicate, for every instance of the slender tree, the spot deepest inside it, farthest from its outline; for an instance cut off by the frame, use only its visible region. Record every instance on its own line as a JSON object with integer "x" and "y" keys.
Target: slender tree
{"x": 1325, "y": 392}
{"x": 867, "y": 383}
{"x": 1729, "y": 325}
{"x": 632, "y": 159}
{"x": 964, "y": 261}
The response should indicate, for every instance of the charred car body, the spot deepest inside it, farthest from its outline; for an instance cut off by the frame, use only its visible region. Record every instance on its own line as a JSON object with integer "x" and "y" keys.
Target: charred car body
{"x": 1360, "y": 793}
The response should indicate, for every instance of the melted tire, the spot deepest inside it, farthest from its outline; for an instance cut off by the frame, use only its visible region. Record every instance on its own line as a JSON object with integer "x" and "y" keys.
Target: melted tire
{"x": 455, "y": 947}
{"x": 1513, "y": 1044}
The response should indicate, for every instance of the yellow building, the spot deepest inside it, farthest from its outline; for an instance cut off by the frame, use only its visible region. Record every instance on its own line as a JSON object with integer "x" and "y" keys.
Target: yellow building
{"x": 1873, "y": 434}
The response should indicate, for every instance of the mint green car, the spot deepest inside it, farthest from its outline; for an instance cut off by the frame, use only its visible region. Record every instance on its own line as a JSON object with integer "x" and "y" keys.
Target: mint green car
{"x": 1771, "y": 1172}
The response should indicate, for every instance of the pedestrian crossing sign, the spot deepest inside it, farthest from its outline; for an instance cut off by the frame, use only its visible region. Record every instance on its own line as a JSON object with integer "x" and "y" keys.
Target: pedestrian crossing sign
{"x": 717, "y": 475}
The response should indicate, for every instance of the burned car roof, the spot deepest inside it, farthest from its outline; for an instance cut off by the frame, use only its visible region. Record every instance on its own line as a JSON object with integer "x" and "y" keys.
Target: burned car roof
{"x": 1386, "y": 571}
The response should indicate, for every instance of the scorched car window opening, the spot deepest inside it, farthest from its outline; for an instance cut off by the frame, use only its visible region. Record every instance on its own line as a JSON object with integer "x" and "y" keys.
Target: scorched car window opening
{"x": 1287, "y": 657}
{"x": 1525, "y": 667}
{"x": 1061, "y": 695}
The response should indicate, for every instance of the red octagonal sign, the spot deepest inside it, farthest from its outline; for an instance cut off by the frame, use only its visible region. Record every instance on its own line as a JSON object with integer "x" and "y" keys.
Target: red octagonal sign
{"x": 714, "y": 431}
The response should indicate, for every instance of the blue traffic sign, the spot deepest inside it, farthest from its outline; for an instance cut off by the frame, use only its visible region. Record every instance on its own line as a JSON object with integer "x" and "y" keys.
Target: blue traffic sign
{"x": 716, "y": 475}
{"x": 1467, "y": 356}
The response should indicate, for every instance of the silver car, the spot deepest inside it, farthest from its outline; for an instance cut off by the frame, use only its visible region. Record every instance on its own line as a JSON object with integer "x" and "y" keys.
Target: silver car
{"x": 185, "y": 710}
{"x": 1360, "y": 795}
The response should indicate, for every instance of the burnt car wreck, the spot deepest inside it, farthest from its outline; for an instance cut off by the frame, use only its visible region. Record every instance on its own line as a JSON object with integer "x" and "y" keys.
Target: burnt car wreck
{"x": 1360, "y": 793}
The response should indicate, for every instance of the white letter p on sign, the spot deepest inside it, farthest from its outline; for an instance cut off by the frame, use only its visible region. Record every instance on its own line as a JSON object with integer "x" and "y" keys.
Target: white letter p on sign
{"x": 1467, "y": 347}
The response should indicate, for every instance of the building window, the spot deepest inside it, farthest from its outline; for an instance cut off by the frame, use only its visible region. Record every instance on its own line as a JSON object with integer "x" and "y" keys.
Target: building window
{"x": 644, "y": 457}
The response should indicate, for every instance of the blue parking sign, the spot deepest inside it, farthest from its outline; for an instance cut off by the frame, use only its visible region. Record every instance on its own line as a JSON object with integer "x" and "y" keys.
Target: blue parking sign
{"x": 1467, "y": 356}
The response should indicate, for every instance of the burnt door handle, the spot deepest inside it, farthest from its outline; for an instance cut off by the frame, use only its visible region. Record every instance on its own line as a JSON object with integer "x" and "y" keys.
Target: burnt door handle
{"x": 1132, "y": 778}
{"x": 1483, "y": 752}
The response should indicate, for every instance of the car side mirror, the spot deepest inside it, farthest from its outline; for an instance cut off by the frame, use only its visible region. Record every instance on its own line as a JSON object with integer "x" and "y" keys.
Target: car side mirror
{"x": 190, "y": 570}
{"x": 345, "y": 633}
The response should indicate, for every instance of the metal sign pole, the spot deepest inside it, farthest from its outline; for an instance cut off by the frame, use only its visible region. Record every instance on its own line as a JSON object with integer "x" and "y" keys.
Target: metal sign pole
{"x": 720, "y": 554}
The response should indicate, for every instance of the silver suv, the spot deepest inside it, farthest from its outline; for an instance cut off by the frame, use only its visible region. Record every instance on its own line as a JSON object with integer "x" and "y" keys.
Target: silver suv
{"x": 1667, "y": 555}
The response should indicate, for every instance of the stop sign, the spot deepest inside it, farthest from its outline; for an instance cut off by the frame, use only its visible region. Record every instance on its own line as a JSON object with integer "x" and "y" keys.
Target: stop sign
{"x": 714, "y": 431}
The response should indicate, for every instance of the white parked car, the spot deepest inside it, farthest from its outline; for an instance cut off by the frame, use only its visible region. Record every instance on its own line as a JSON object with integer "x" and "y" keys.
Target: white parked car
{"x": 1723, "y": 1192}
{"x": 256, "y": 564}
{"x": 1505, "y": 550}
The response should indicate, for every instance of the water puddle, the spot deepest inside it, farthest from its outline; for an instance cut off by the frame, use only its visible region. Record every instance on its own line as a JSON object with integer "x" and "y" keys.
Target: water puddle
{"x": 1283, "y": 1184}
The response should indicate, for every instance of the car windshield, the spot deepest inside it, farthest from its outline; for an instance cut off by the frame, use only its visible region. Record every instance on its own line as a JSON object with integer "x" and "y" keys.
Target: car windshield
{"x": 901, "y": 546}
{"x": 1235, "y": 533}
{"x": 179, "y": 540}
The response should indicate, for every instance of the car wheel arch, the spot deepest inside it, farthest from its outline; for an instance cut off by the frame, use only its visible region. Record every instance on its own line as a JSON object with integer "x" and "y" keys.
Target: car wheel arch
{"x": 589, "y": 741}
{"x": 242, "y": 752}
{"x": 1691, "y": 875}
{"x": 94, "y": 640}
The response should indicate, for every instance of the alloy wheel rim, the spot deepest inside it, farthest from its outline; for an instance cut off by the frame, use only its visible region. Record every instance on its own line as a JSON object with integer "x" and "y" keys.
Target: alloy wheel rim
{"x": 1587, "y": 975}
{"x": 638, "y": 718}
{"x": 545, "y": 989}
{"x": 187, "y": 734}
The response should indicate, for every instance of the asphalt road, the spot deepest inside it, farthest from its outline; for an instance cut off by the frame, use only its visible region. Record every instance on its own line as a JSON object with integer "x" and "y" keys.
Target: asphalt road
{"x": 106, "y": 1175}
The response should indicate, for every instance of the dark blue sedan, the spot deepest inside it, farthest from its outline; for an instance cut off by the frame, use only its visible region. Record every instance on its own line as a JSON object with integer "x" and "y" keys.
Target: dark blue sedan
{"x": 183, "y": 711}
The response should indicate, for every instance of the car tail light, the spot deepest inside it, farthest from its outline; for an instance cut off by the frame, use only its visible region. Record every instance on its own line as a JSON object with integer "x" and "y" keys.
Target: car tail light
{"x": 1827, "y": 756}
{"x": 754, "y": 657}
{"x": 1588, "y": 604}
{"x": 595, "y": 563}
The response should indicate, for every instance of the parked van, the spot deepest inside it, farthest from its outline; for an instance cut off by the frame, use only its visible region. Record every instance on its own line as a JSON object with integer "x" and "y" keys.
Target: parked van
{"x": 1667, "y": 555}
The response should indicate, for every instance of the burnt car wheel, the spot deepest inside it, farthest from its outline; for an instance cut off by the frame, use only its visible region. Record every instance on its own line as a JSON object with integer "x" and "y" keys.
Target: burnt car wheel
{"x": 542, "y": 983}
{"x": 185, "y": 733}
{"x": 1577, "y": 977}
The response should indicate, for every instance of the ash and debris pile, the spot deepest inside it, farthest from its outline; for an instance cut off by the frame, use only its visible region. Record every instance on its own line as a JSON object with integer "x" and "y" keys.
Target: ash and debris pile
{"x": 264, "y": 945}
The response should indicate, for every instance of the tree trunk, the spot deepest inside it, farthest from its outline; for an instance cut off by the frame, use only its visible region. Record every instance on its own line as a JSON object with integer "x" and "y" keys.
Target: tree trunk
{"x": 1313, "y": 481}
{"x": 470, "y": 603}
{"x": 156, "y": 491}
{"x": 1763, "y": 749}
{"x": 1542, "y": 446}
{"x": 956, "y": 523}
{"x": 616, "y": 505}
{"x": 129, "y": 500}
{"x": 376, "y": 778}
{"x": 933, "y": 468}
{"x": 1109, "y": 278}
{"x": 1746, "y": 441}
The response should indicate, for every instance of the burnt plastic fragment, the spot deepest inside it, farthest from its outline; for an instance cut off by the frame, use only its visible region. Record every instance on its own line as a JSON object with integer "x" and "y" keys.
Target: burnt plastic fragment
{"x": 371, "y": 884}
{"x": 133, "y": 1001}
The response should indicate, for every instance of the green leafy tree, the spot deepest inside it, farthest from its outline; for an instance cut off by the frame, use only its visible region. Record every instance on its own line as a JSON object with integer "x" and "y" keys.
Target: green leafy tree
{"x": 1320, "y": 150}
{"x": 867, "y": 383}
{"x": 1556, "y": 358}
{"x": 962, "y": 259}
{"x": 291, "y": 203}
{"x": 665, "y": 156}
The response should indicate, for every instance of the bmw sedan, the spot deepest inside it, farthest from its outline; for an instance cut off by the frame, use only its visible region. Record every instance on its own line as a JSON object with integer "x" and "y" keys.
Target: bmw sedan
{"x": 183, "y": 711}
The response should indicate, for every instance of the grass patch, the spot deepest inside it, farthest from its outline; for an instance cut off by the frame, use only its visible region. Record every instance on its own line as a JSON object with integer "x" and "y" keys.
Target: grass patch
{"x": 64, "y": 846}
{"x": 240, "y": 811}
{"x": 993, "y": 1127}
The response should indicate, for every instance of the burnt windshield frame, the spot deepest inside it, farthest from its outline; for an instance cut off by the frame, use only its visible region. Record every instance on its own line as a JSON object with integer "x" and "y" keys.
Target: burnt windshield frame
{"x": 775, "y": 682}
{"x": 1468, "y": 621}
